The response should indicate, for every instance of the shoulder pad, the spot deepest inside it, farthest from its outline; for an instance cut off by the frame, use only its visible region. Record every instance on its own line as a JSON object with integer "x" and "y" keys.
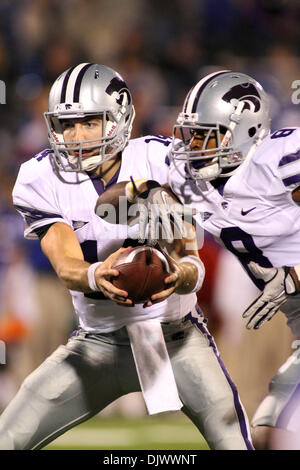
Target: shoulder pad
{"x": 36, "y": 167}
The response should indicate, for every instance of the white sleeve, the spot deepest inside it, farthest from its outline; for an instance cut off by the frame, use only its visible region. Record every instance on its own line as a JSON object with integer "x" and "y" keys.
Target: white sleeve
{"x": 157, "y": 157}
{"x": 34, "y": 198}
{"x": 289, "y": 163}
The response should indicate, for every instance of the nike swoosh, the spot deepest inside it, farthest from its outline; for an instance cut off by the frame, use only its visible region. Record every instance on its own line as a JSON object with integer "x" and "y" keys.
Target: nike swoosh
{"x": 247, "y": 212}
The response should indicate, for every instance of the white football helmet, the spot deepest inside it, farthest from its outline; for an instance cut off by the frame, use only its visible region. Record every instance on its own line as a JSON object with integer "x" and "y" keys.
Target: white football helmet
{"x": 88, "y": 90}
{"x": 231, "y": 107}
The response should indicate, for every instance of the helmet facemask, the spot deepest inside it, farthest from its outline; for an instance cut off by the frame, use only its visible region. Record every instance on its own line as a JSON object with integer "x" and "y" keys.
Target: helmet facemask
{"x": 114, "y": 132}
{"x": 233, "y": 109}
{"x": 206, "y": 163}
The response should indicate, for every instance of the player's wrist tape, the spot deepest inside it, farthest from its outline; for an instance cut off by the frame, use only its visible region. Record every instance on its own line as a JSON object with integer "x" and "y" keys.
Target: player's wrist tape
{"x": 129, "y": 189}
{"x": 200, "y": 268}
{"x": 91, "y": 276}
{"x": 132, "y": 189}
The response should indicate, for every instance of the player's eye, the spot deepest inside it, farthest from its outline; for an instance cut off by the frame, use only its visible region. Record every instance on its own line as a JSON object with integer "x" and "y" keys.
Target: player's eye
{"x": 92, "y": 124}
{"x": 67, "y": 125}
{"x": 196, "y": 134}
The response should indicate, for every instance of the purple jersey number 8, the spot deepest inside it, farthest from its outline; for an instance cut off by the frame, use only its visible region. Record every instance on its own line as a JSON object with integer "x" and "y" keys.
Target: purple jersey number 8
{"x": 231, "y": 234}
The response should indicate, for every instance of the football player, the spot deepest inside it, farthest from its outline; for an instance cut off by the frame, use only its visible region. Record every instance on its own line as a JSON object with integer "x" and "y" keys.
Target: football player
{"x": 244, "y": 183}
{"x": 89, "y": 122}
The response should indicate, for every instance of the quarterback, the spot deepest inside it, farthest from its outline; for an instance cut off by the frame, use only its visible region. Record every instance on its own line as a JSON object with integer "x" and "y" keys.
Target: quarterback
{"x": 244, "y": 183}
{"x": 89, "y": 123}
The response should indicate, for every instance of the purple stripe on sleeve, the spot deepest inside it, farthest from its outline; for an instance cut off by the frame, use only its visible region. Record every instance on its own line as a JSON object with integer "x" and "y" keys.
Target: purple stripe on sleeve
{"x": 292, "y": 157}
{"x": 238, "y": 407}
{"x": 291, "y": 180}
{"x": 34, "y": 215}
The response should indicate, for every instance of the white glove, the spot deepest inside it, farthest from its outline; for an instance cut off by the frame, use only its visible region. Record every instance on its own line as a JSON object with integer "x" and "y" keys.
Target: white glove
{"x": 159, "y": 211}
{"x": 280, "y": 283}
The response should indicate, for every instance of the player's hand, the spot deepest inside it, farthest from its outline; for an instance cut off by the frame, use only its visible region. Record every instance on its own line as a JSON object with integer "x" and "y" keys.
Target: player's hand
{"x": 280, "y": 283}
{"x": 172, "y": 282}
{"x": 103, "y": 275}
{"x": 161, "y": 216}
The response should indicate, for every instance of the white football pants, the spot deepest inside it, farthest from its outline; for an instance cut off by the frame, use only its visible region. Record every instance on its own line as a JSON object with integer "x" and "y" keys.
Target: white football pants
{"x": 81, "y": 378}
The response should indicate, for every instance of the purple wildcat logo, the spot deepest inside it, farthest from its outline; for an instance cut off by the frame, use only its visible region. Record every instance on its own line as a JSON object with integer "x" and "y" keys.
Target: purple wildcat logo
{"x": 245, "y": 92}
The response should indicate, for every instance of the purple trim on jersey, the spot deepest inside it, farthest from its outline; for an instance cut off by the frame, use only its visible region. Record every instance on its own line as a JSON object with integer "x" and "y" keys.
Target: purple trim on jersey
{"x": 89, "y": 250}
{"x": 239, "y": 410}
{"x": 43, "y": 154}
{"x": 220, "y": 189}
{"x": 289, "y": 410}
{"x": 292, "y": 157}
{"x": 34, "y": 215}
{"x": 291, "y": 180}
{"x": 167, "y": 161}
{"x": 99, "y": 185}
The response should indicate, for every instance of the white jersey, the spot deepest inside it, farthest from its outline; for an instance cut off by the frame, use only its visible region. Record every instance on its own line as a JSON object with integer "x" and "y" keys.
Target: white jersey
{"x": 255, "y": 217}
{"x": 43, "y": 198}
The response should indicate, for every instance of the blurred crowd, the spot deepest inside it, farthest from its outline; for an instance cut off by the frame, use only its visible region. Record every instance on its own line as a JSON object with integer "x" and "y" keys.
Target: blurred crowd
{"x": 161, "y": 48}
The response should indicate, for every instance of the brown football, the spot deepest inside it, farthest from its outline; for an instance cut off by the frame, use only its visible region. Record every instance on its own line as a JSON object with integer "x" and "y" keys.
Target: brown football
{"x": 112, "y": 204}
{"x": 142, "y": 271}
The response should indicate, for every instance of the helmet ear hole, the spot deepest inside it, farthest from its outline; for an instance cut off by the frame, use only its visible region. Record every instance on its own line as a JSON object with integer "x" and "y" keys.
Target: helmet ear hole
{"x": 252, "y": 131}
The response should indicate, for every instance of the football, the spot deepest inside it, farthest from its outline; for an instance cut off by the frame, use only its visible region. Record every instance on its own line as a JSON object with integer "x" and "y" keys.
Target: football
{"x": 108, "y": 204}
{"x": 142, "y": 271}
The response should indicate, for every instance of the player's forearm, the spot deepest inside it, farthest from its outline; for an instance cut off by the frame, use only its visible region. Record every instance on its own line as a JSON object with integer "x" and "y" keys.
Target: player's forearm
{"x": 61, "y": 247}
{"x": 74, "y": 274}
